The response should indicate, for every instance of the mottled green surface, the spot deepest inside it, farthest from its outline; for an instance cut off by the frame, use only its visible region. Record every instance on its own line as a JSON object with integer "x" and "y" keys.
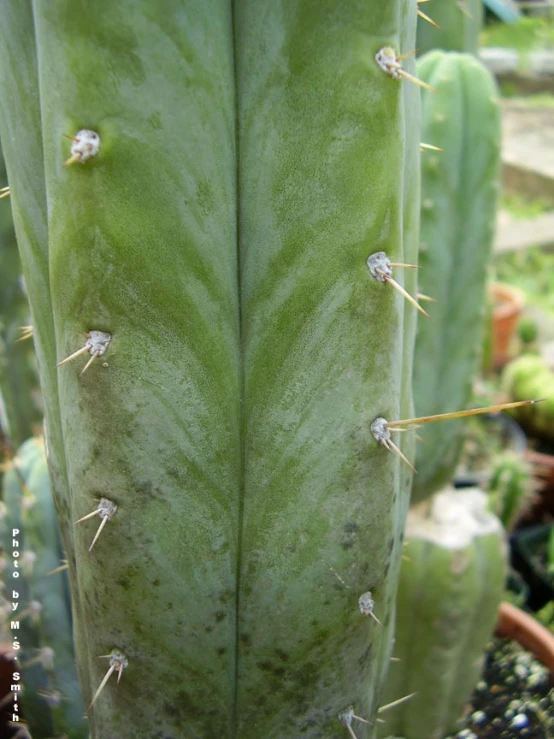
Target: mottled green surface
{"x": 450, "y": 588}
{"x": 460, "y": 187}
{"x": 51, "y": 700}
{"x": 459, "y": 21}
{"x": 253, "y": 156}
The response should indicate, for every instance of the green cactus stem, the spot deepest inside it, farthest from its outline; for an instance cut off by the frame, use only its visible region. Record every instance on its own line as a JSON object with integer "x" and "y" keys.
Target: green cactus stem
{"x": 510, "y": 487}
{"x": 460, "y": 187}
{"x": 459, "y": 25}
{"x": 251, "y": 157}
{"x": 451, "y": 585}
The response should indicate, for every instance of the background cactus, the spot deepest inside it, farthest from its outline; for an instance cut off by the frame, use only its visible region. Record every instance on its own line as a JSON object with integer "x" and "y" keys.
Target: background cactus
{"x": 530, "y": 373}
{"x": 51, "y": 700}
{"x": 459, "y": 25}
{"x": 460, "y": 186}
{"x": 450, "y": 588}
{"x": 251, "y": 160}
{"x": 510, "y": 487}
{"x": 18, "y": 372}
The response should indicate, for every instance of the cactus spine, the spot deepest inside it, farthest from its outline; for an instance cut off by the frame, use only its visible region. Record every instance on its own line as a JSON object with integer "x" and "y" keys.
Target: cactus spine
{"x": 450, "y": 588}
{"x": 51, "y": 700}
{"x": 459, "y": 25}
{"x": 251, "y": 158}
{"x": 460, "y": 186}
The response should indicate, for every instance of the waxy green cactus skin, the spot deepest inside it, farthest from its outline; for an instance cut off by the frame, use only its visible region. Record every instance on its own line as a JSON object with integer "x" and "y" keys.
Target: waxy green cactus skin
{"x": 51, "y": 699}
{"x": 460, "y": 186}
{"x": 451, "y": 584}
{"x": 459, "y": 21}
{"x": 253, "y": 156}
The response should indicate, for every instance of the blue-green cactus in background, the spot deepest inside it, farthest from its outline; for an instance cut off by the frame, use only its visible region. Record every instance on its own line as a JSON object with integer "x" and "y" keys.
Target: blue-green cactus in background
{"x": 51, "y": 700}
{"x": 460, "y": 187}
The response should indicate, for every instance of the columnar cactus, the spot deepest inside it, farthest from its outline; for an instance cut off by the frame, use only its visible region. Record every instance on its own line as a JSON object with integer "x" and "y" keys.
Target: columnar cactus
{"x": 510, "y": 487}
{"x": 458, "y": 25}
{"x": 450, "y": 588}
{"x": 460, "y": 185}
{"x": 51, "y": 700}
{"x": 231, "y": 168}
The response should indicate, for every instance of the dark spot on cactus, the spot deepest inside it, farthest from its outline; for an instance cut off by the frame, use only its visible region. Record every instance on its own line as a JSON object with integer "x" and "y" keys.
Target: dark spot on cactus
{"x": 351, "y": 528}
{"x": 245, "y": 639}
{"x": 265, "y": 665}
{"x": 205, "y": 197}
{"x": 327, "y": 602}
{"x": 390, "y": 545}
{"x": 155, "y": 582}
{"x": 208, "y": 629}
{"x": 220, "y": 651}
{"x": 155, "y": 120}
{"x": 227, "y": 596}
{"x": 282, "y": 655}
{"x": 220, "y": 615}
{"x": 364, "y": 658}
{"x": 346, "y": 545}
{"x": 123, "y": 582}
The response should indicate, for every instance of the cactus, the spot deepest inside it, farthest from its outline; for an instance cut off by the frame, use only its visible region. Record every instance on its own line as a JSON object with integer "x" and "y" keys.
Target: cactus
{"x": 18, "y": 372}
{"x": 510, "y": 487}
{"x": 202, "y": 258}
{"x": 530, "y": 373}
{"x": 52, "y": 704}
{"x": 459, "y": 25}
{"x": 460, "y": 187}
{"x": 451, "y": 585}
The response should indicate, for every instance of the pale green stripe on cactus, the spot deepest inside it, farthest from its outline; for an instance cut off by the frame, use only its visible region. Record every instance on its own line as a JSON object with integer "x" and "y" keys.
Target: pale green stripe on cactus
{"x": 460, "y": 186}
{"x": 252, "y": 156}
{"x": 451, "y": 584}
{"x": 18, "y": 373}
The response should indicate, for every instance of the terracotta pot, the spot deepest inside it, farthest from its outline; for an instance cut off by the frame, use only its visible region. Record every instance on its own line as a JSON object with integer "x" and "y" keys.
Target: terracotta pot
{"x": 513, "y": 623}
{"x": 508, "y": 305}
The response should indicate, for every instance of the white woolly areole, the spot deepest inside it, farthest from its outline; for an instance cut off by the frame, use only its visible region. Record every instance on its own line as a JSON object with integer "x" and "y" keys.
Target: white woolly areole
{"x": 386, "y": 58}
{"x": 380, "y": 431}
{"x": 97, "y": 342}
{"x": 379, "y": 266}
{"x": 85, "y": 144}
{"x": 452, "y": 518}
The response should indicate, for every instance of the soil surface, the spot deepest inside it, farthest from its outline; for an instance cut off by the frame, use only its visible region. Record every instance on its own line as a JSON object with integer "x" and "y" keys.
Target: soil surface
{"x": 515, "y": 697}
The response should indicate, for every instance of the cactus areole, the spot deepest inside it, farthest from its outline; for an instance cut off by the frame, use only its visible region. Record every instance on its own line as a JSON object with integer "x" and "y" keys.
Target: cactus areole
{"x": 249, "y": 157}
